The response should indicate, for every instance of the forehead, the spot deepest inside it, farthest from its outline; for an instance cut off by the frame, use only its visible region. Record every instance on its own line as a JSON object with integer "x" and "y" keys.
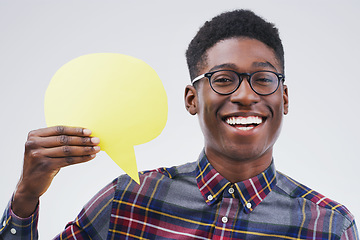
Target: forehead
{"x": 240, "y": 54}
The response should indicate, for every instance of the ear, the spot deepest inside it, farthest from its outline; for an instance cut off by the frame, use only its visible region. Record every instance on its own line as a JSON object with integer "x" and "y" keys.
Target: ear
{"x": 191, "y": 99}
{"x": 286, "y": 100}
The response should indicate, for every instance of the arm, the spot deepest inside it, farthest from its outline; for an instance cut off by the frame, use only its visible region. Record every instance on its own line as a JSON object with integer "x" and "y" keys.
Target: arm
{"x": 46, "y": 152}
{"x": 93, "y": 220}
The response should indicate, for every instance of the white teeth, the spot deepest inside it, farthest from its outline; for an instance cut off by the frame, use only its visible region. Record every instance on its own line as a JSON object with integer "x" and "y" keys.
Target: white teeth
{"x": 244, "y": 128}
{"x": 244, "y": 121}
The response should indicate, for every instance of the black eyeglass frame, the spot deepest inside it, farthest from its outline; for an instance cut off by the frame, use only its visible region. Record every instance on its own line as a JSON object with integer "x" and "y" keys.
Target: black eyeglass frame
{"x": 281, "y": 77}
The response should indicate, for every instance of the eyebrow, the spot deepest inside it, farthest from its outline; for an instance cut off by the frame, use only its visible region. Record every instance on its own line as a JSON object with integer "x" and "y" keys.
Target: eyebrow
{"x": 264, "y": 64}
{"x": 222, "y": 66}
{"x": 233, "y": 66}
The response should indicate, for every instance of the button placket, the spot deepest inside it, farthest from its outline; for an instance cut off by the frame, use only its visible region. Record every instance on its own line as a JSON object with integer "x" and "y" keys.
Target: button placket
{"x": 228, "y": 209}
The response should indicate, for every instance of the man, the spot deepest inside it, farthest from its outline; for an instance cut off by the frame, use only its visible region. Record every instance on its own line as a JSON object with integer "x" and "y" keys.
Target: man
{"x": 236, "y": 63}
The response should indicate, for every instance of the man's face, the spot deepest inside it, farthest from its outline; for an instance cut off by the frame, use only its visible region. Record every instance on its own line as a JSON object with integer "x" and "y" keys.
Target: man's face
{"x": 218, "y": 113}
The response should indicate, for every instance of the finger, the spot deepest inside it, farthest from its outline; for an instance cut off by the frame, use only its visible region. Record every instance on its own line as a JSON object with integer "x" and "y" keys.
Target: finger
{"x": 70, "y": 151}
{"x": 62, "y": 140}
{"x": 50, "y": 165}
{"x": 66, "y": 161}
{"x": 60, "y": 130}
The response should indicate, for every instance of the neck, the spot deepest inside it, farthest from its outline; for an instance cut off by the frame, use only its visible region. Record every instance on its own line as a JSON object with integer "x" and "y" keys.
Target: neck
{"x": 237, "y": 170}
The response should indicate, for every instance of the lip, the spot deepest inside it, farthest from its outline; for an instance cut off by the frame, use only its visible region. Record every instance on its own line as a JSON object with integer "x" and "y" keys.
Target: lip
{"x": 243, "y": 132}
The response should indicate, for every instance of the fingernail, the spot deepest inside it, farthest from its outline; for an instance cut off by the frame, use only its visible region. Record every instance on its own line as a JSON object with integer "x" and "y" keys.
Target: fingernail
{"x": 95, "y": 140}
{"x": 93, "y": 155}
{"x": 87, "y": 131}
{"x": 96, "y": 148}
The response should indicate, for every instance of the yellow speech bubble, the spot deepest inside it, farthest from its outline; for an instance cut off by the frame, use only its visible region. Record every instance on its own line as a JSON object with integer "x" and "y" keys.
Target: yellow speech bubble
{"x": 120, "y": 98}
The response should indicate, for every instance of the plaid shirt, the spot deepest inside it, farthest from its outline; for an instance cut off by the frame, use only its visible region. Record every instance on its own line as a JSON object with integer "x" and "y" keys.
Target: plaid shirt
{"x": 194, "y": 201}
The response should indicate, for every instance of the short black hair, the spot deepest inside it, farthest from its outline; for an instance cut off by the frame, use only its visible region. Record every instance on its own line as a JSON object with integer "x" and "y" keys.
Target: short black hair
{"x": 238, "y": 23}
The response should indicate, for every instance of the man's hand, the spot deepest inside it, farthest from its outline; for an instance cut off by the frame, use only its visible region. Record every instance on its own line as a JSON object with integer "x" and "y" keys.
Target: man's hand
{"x": 47, "y": 150}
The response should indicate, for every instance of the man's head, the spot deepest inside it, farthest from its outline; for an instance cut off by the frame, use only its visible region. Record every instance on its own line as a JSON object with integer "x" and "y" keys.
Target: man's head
{"x": 238, "y": 23}
{"x": 242, "y": 125}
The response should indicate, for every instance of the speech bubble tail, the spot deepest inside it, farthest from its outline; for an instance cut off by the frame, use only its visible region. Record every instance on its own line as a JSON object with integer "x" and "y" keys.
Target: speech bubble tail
{"x": 124, "y": 157}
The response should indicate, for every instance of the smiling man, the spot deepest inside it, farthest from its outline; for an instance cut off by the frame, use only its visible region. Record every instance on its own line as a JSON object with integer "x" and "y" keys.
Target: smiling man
{"x": 232, "y": 191}
{"x": 240, "y": 113}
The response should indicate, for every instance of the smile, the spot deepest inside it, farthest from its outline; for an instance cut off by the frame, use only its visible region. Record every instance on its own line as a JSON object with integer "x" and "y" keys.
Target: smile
{"x": 244, "y": 123}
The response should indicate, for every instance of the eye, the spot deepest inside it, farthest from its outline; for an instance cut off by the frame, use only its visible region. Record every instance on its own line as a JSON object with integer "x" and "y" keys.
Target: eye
{"x": 264, "y": 79}
{"x": 222, "y": 82}
{"x": 223, "y": 78}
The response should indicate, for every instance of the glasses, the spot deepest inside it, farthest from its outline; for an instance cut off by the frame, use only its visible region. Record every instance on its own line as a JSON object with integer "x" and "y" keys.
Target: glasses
{"x": 226, "y": 82}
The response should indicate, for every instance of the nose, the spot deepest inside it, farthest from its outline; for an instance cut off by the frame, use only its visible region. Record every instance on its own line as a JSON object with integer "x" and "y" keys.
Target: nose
{"x": 244, "y": 95}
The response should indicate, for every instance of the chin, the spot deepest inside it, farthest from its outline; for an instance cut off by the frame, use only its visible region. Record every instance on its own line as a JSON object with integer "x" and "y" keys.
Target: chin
{"x": 246, "y": 154}
{"x": 243, "y": 152}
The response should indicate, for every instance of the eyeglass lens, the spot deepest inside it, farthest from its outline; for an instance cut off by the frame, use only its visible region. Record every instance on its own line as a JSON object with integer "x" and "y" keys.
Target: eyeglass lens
{"x": 225, "y": 82}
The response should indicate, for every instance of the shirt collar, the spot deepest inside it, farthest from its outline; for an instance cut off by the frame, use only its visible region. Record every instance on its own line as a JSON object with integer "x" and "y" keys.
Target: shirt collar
{"x": 251, "y": 192}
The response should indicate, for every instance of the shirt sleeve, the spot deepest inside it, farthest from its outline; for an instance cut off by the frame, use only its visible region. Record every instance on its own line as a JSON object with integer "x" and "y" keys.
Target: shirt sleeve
{"x": 92, "y": 222}
{"x": 17, "y": 228}
{"x": 351, "y": 232}
{"x": 94, "y": 219}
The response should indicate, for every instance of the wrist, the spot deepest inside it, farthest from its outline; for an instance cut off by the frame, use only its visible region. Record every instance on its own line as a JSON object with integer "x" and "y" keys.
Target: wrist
{"x": 24, "y": 205}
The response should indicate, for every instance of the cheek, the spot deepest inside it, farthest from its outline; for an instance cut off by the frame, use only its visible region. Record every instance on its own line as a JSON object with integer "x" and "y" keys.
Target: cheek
{"x": 207, "y": 111}
{"x": 277, "y": 107}
{"x": 209, "y": 104}
{"x": 275, "y": 102}
{"x": 207, "y": 101}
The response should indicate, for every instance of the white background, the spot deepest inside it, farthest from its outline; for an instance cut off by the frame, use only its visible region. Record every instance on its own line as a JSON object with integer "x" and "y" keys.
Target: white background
{"x": 320, "y": 139}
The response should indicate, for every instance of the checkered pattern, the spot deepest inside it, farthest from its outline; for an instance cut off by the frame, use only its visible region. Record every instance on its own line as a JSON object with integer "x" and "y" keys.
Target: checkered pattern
{"x": 194, "y": 201}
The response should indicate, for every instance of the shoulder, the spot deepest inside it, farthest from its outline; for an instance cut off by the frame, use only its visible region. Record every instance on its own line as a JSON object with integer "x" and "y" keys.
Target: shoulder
{"x": 187, "y": 169}
{"x": 159, "y": 176}
{"x": 299, "y": 191}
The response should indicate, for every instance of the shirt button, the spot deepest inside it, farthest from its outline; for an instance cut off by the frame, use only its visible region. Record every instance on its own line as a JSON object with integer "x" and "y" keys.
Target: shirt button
{"x": 209, "y": 197}
{"x": 231, "y": 190}
{"x": 248, "y": 205}
{"x": 224, "y": 219}
{"x": 13, "y": 231}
